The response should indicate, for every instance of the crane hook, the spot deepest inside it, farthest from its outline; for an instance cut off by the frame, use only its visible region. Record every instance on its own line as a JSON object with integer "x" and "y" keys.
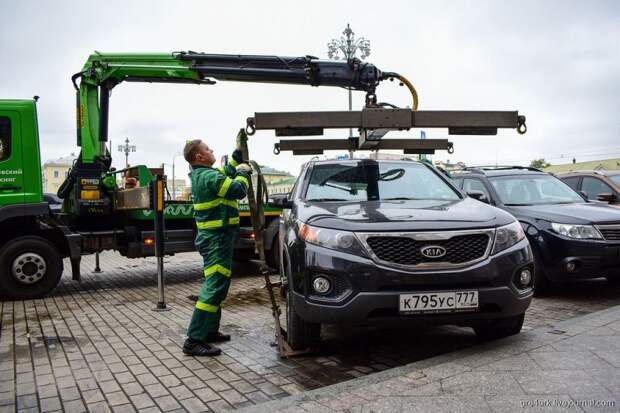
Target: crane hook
{"x": 522, "y": 128}
{"x": 250, "y": 128}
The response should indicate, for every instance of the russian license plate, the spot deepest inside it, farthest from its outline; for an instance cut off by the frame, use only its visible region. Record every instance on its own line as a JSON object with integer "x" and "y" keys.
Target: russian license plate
{"x": 444, "y": 302}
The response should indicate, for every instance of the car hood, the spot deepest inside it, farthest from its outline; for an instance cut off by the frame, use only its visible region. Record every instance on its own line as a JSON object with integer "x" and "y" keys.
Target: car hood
{"x": 579, "y": 213}
{"x": 410, "y": 215}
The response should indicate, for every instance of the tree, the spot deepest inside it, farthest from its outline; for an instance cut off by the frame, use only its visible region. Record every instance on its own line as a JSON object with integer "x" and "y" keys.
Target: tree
{"x": 539, "y": 163}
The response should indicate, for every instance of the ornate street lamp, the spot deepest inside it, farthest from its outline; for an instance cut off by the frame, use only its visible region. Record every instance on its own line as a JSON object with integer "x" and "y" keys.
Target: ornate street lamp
{"x": 348, "y": 46}
{"x": 127, "y": 148}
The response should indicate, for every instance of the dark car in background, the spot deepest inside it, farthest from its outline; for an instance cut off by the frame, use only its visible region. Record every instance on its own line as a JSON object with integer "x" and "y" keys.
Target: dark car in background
{"x": 603, "y": 186}
{"x": 371, "y": 242}
{"x": 53, "y": 201}
{"x": 571, "y": 238}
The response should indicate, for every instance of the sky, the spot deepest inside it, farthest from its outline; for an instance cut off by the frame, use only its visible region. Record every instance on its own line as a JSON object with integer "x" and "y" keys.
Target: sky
{"x": 556, "y": 62}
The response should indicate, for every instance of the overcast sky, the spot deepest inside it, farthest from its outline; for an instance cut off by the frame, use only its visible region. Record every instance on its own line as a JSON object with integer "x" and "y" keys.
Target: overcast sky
{"x": 557, "y": 62}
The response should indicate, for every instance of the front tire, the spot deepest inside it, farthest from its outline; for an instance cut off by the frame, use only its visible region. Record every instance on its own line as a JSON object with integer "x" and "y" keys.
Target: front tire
{"x": 30, "y": 267}
{"x": 300, "y": 334}
{"x": 500, "y": 328}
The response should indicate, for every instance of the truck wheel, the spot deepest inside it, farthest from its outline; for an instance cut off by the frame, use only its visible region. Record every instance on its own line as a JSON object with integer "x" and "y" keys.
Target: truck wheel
{"x": 300, "y": 334}
{"x": 30, "y": 267}
{"x": 502, "y": 327}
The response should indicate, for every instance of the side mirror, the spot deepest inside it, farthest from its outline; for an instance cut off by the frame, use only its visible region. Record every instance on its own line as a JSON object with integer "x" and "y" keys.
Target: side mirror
{"x": 607, "y": 197}
{"x": 280, "y": 201}
{"x": 478, "y": 195}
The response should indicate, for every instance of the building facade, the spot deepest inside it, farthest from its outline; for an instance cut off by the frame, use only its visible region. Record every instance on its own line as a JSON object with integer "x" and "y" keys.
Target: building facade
{"x": 55, "y": 171}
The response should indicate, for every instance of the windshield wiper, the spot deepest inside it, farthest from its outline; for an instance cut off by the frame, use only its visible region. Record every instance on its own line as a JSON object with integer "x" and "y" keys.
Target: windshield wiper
{"x": 400, "y": 198}
{"x": 518, "y": 204}
{"x": 326, "y": 199}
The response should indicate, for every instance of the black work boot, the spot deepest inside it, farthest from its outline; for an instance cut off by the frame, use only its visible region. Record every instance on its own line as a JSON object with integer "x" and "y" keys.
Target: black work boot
{"x": 193, "y": 347}
{"x": 217, "y": 337}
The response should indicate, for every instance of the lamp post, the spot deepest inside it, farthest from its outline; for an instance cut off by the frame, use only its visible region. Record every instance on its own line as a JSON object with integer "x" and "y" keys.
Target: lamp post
{"x": 126, "y": 148}
{"x": 174, "y": 188}
{"x": 349, "y": 46}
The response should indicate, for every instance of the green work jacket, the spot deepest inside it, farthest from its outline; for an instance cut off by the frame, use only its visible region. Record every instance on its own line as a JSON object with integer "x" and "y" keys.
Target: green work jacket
{"x": 215, "y": 193}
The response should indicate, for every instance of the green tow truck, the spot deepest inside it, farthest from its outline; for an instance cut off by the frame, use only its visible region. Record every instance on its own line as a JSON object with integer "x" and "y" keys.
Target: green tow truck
{"x": 97, "y": 213}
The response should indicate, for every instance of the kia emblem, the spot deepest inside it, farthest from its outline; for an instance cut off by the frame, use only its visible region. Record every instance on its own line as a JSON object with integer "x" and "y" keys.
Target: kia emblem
{"x": 433, "y": 251}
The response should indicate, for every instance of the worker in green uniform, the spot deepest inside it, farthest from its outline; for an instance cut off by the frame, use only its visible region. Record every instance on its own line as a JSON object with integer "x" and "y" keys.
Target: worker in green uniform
{"x": 215, "y": 193}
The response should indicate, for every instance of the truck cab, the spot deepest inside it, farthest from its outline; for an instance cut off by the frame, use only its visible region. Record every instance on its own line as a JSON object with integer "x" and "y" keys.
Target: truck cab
{"x": 20, "y": 162}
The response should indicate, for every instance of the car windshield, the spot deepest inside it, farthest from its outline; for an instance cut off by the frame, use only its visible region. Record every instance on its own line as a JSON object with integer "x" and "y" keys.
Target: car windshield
{"x": 615, "y": 178}
{"x": 370, "y": 180}
{"x": 533, "y": 190}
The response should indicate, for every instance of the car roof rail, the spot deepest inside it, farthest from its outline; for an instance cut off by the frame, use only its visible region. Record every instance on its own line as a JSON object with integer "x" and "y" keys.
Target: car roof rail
{"x": 505, "y": 167}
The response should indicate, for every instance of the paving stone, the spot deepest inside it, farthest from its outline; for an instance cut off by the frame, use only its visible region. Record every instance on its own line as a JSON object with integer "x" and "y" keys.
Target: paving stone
{"x": 50, "y": 404}
{"x": 74, "y": 406}
{"x": 99, "y": 407}
{"x": 156, "y": 390}
{"x": 69, "y": 393}
{"x": 27, "y": 401}
{"x": 140, "y": 401}
{"x": 47, "y": 391}
{"x": 170, "y": 381}
{"x": 194, "y": 405}
{"x": 219, "y": 406}
{"x": 7, "y": 398}
{"x": 181, "y": 392}
{"x": 167, "y": 403}
{"x": 206, "y": 394}
{"x": 146, "y": 379}
{"x": 92, "y": 396}
{"x": 117, "y": 398}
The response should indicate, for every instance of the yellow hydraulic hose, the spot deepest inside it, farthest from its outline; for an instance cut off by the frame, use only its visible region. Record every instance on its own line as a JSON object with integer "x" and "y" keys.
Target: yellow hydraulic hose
{"x": 414, "y": 93}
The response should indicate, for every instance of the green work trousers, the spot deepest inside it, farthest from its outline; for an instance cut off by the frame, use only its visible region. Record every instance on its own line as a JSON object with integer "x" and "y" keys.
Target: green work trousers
{"x": 216, "y": 247}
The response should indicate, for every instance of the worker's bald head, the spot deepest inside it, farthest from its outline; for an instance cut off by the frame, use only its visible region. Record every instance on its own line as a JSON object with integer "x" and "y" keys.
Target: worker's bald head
{"x": 196, "y": 152}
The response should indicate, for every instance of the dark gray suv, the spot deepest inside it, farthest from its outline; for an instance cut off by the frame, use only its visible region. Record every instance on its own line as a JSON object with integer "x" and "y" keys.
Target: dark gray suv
{"x": 365, "y": 241}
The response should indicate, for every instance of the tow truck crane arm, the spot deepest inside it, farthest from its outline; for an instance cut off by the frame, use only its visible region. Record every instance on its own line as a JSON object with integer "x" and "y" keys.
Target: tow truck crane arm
{"x": 103, "y": 71}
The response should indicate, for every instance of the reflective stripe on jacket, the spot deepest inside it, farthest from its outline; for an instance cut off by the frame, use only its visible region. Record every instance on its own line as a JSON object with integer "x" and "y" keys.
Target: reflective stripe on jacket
{"x": 215, "y": 193}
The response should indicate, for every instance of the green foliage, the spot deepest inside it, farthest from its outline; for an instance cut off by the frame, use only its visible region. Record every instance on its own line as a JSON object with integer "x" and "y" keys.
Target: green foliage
{"x": 539, "y": 163}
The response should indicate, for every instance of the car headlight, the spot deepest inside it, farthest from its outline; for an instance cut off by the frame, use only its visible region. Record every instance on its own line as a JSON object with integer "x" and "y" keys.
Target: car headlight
{"x": 576, "y": 231}
{"x": 507, "y": 236}
{"x": 337, "y": 240}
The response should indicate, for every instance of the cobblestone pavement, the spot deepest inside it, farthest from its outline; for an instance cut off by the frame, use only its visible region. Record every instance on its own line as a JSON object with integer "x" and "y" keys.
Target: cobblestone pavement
{"x": 98, "y": 346}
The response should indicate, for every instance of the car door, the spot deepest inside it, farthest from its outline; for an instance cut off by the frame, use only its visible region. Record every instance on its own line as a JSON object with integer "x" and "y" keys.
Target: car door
{"x": 11, "y": 168}
{"x": 593, "y": 187}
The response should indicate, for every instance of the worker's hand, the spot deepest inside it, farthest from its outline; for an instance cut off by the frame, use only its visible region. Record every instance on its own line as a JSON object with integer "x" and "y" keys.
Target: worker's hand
{"x": 242, "y": 138}
{"x": 237, "y": 157}
{"x": 245, "y": 168}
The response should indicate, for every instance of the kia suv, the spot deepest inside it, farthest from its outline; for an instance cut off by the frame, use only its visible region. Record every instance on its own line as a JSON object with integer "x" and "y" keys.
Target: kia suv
{"x": 367, "y": 241}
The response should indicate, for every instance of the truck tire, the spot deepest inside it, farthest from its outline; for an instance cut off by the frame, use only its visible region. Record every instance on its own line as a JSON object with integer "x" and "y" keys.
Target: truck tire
{"x": 499, "y": 328}
{"x": 299, "y": 333}
{"x": 30, "y": 267}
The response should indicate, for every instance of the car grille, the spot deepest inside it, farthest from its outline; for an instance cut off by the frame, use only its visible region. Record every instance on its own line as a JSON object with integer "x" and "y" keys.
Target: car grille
{"x": 407, "y": 251}
{"x": 610, "y": 232}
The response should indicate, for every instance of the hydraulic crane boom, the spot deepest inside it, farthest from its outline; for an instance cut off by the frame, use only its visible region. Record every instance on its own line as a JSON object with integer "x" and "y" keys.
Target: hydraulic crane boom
{"x": 103, "y": 71}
